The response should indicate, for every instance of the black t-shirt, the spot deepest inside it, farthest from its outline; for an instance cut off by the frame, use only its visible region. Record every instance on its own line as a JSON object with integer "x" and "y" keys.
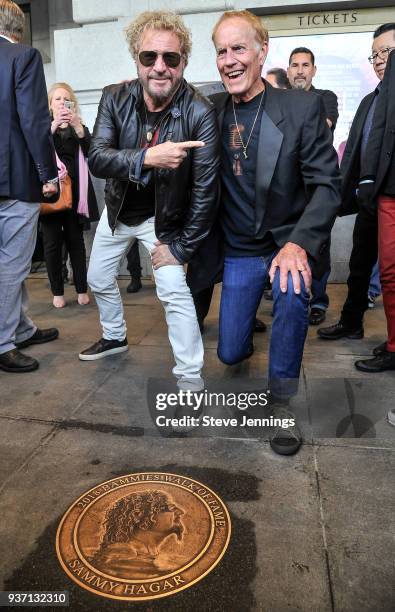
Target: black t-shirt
{"x": 139, "y": 202}
{"x": 238, "y": 181}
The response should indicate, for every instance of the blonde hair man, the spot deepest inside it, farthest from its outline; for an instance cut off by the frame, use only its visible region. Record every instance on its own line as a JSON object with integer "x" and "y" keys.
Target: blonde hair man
{"x": 155, "y": 141}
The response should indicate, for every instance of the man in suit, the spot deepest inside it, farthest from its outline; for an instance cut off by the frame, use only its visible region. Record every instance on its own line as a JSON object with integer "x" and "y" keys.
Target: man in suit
{"x": 280, "y": 195}
{"x": 28, "y": 173}
{"x": 301, "y": 72}
{"x": 364, "y": 251}
{"x": 377, "y": 195}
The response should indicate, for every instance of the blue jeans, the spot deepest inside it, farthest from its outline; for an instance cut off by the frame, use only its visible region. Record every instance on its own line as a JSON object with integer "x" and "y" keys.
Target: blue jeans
{"x": 375, "y": 285}
{"x": 319, "y": 296}
{"x": 243, "y": 283}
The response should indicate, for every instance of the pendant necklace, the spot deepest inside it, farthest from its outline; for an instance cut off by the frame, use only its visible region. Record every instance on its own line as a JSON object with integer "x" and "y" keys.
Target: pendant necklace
{"x": 149, "y": 134}
{"x": 245, "y": 146}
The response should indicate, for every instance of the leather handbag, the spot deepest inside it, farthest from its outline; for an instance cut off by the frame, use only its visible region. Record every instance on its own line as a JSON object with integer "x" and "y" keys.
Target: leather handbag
{"x": 65, "y": 201}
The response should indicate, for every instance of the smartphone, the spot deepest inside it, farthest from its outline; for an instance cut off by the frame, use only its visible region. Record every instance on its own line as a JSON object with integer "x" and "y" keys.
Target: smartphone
{"x": 69, "y": 104}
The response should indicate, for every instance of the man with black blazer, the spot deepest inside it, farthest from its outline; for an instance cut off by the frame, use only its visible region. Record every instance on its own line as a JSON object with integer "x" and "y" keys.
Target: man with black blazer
{"x": 279, "y": 198}
{"x": 377, "y": 194}
{"x": 28, "y": 174}
{"x": 364, "y": 251}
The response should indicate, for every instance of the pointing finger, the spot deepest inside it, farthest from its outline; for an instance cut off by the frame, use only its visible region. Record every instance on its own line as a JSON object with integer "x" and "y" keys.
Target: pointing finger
{"x": 192, "y": 144}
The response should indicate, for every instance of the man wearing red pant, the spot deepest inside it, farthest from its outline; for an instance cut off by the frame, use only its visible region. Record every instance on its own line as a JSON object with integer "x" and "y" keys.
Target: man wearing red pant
{"x": 378, "y": 184}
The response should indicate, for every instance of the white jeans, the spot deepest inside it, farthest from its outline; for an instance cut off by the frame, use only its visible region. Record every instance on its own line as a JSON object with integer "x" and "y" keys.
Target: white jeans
{"x": 171, "y": 288}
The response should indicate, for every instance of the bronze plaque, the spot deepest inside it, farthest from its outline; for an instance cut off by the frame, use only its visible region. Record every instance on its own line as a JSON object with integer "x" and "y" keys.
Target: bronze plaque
{"x": 143, "y": 536}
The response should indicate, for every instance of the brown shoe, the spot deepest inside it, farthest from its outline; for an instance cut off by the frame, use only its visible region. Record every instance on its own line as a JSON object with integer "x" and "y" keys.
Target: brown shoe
{"x": 15, "y": 361}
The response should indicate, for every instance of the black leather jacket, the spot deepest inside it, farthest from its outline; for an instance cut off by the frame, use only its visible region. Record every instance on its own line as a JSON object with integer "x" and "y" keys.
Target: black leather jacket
{"x": 185, "y": 198}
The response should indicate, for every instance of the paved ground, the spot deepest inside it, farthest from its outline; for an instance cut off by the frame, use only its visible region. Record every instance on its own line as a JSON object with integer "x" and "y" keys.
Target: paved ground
{"x": 311, "y": 533}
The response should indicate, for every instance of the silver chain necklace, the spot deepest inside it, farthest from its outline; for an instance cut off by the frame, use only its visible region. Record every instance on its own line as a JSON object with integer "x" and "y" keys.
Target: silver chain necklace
{"x": 245, "y": 146}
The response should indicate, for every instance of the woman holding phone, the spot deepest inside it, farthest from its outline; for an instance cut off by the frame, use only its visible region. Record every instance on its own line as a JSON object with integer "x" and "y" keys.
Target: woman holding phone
{"x": 72, "y": 140}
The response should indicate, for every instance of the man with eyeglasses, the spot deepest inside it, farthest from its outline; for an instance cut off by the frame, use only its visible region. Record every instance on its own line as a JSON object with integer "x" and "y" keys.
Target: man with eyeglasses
{"x": 377, "y": 194}
{"x": 365, "y": 248}
{"x": 155, "y": 140}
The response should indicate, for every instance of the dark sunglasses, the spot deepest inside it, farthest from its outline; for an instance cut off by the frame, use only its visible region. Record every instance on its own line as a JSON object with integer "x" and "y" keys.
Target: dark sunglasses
{"x": 171, "y": 58}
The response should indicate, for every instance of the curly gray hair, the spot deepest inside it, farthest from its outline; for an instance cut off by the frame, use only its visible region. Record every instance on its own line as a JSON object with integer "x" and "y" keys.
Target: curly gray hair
{"x": 158, "y": 20}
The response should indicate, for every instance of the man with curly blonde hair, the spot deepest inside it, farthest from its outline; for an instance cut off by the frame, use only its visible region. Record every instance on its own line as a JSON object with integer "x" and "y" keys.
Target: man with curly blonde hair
{"x": 155, "y": 141}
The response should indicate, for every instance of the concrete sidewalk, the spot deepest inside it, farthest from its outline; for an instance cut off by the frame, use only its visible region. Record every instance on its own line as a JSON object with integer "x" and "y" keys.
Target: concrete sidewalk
{"x": 311, "y": 533}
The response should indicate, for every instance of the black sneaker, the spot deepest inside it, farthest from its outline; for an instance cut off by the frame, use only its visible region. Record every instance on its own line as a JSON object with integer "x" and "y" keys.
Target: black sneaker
{"x": 103, "y": 348}
{"x": 286, "y": 438}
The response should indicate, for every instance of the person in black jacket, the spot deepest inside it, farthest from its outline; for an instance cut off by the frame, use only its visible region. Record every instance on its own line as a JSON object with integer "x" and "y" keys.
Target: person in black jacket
{"x": 28, "y": 174}
{"x": 301, "y": 71}
{"x": 280, "y": 192}
{"x": 377, "y": 195}
{"x": 155, "y": 140}
{"x": 72, "y": 140}
{"x": 364, "y": 251}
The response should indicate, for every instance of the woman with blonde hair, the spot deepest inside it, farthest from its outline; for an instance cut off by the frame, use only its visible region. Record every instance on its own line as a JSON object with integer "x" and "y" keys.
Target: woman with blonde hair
{"x": 72, "y": 140}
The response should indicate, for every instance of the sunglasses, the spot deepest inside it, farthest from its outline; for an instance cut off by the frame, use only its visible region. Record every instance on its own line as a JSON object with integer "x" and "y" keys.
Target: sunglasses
{"x": 171, "y": 58}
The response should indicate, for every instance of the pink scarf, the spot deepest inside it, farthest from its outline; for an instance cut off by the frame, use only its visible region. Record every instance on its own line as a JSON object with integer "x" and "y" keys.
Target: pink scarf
{"x": 83, "y": 179}
{"x": 62, "y": 170}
